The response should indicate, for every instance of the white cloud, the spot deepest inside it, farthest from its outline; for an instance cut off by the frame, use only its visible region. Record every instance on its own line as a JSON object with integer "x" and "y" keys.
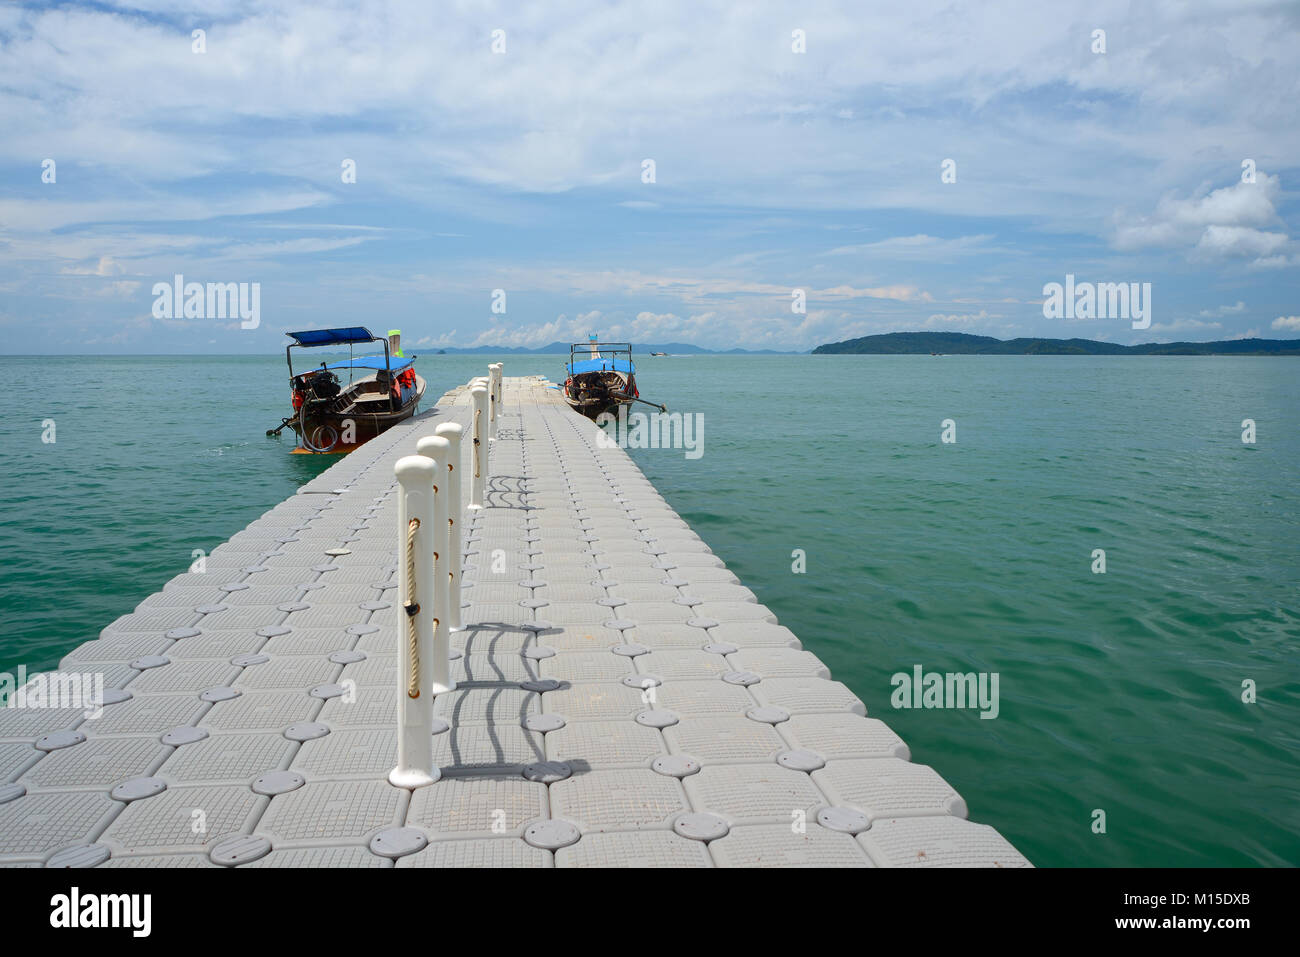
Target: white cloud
{"x": 448, "y": 134}
{"x": 903, "y": 293}
{"x": 586, "y": 90}
{"x": 1287, "y": 323}
{"x": 85, "y": 250}
{"x": 721, "y": 329}
{"x": 958, "y": 319}
{"x": 1221, "y": 241}
{"x": 919, "y": 246}
{"x": 295, "y": 247}
{"x": 49, "y": 214}
{"x": 694, "y": 290}
{"x": 1274, "y": 262}
{"x": 105, "y": 267}
{"x": 122, "y": 288}
{"x": 1238, "y": 307}
{"x": 1220, "y": 224}
{"x": 1184, "y": 325}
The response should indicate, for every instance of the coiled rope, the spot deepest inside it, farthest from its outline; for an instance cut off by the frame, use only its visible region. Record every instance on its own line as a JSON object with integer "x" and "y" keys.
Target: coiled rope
{"x": 412, "y": 609}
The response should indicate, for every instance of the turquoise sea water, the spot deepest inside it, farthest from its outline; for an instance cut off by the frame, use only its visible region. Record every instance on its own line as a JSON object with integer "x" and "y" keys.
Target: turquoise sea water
{"x": 1119, "y": 692}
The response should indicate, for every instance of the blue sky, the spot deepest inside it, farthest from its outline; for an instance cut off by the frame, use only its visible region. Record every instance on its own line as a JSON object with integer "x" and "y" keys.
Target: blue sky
{"x": 522, "y": 170}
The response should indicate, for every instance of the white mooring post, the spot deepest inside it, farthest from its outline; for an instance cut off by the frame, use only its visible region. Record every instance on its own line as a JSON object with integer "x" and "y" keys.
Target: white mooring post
{"x": 415, "y": 525}
{"x": 452, "y": 432}
{"x": 438, "y": 449}
{"x": 478, "y": 447}
{"x": 483, "y": 382}
{"x": 495, "y": 398}
{"x": 501, "y": 398}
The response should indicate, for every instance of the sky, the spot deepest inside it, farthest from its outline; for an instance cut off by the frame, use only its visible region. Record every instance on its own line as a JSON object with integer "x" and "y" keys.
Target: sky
{"x": 901, "y": 167}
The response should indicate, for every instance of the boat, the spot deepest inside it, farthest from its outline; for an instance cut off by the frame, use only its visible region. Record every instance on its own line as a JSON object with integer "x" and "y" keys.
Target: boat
{"x": 599, "y": 377}
{"x": 330, "y": 416}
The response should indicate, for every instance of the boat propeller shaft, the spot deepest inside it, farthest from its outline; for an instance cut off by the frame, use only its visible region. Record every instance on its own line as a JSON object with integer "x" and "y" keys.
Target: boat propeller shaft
{"x": 624, "y": 395}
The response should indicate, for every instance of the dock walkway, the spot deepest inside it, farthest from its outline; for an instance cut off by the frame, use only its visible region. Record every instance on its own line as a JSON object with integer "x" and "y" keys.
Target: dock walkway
{"x": 622, "y": 699}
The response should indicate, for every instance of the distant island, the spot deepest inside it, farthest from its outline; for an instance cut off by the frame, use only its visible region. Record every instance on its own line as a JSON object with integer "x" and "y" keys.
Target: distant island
{"x": 959, "y": 343}
{"x": 668, "y": 348}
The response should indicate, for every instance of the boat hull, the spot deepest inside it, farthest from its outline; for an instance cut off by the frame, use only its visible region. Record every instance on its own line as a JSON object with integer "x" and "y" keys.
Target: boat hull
{"x": 326, "y": 431}
{"x": 594, "y": 410}
{"x": 592, "y": 394}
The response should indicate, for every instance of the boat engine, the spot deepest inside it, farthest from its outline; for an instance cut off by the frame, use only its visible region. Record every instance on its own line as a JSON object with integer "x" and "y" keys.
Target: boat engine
{"x": 324, "y": 384}
{"x": 321, "y": 385}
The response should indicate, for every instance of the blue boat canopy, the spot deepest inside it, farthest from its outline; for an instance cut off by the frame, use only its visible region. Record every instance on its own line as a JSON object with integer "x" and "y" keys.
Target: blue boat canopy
{"x": 331, "y": 337}
{"x": 601, "y": 365}
{"x": 371, "y": 362}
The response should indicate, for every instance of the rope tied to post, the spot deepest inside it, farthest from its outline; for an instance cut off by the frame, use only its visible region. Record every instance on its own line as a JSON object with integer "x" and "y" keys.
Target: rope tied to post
{"x": 478, "y": 413}
{"x": 412, "y": 608}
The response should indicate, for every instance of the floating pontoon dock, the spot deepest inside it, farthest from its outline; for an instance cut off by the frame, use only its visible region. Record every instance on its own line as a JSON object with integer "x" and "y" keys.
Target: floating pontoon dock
{"x": 621, "y": 699}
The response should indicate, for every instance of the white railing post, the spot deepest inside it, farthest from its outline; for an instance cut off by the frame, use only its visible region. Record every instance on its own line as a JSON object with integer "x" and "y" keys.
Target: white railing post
{"x": 479, "y": 448}
{"x": 501, "y": 399}
{"x": 485, "y": 382}
{"x": 415, "y": 525}
{"x": 494, "y": 378}
{"x": 452, "y": 432}
{"x": 438, "y": 449}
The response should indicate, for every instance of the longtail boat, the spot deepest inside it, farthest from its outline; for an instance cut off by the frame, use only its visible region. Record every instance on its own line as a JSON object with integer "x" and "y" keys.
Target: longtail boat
{"x": 600, "y": 376}
{"x": 331, "y": 416}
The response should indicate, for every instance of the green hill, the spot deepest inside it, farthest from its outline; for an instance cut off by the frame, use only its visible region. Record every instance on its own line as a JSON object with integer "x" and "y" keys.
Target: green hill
{"x": 959, "y": 343}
